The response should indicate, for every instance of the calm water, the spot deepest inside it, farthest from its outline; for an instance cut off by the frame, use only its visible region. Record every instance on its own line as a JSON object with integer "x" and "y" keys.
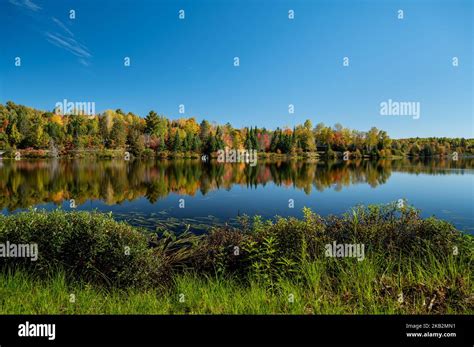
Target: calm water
{"x": 148, "y": 193}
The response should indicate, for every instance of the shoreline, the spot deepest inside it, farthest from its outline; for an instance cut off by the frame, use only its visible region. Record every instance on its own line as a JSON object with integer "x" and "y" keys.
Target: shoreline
{"x": 122, "y": 153}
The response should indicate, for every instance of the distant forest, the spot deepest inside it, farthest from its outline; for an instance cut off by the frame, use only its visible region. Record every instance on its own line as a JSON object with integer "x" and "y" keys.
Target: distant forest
{"x": 23, "y": 128}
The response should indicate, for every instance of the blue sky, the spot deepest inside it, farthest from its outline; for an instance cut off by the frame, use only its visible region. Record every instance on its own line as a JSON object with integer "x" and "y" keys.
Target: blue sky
{"x": 282, "y": 61}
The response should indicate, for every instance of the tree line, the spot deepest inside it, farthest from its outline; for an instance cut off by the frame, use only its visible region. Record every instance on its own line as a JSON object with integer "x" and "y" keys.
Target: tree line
{"x": 23, "y": 127}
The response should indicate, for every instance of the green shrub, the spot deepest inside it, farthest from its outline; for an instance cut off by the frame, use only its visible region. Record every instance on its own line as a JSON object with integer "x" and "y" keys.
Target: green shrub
{"x": 148, "y": 153}
{"x": 270, "y": 251}
{"x": 90, "y": 246}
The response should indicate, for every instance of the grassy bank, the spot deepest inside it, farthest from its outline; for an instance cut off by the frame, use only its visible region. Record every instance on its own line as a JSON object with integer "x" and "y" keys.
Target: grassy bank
{"x": 411, "y": 265}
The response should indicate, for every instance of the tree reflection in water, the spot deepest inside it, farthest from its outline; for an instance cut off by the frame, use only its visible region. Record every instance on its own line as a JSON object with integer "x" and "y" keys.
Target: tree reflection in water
{"x": 29, "y": 183}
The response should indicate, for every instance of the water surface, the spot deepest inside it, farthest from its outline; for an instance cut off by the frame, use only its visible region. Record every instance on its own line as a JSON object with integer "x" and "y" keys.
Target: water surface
{"x": 148, "y": 193}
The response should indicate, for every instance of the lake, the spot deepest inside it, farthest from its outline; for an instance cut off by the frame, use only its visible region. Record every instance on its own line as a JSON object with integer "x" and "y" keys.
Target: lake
{"x": 150, "y": 193}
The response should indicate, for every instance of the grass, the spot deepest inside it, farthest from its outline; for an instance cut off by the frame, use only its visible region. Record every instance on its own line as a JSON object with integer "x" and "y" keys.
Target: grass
{"x": 409, "y": 267}
{"x": 354, "y": 288}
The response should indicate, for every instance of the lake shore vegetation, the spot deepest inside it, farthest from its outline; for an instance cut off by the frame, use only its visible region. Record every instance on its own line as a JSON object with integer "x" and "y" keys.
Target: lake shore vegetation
{"x": 410, "y": 265}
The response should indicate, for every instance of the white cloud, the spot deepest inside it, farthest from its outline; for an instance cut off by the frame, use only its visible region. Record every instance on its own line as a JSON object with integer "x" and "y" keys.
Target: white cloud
{"x": 28, "y": 4}
{"x": 63, "y": 38}
{"x": 63, "y": 26}
{"x": 69, "y": 44}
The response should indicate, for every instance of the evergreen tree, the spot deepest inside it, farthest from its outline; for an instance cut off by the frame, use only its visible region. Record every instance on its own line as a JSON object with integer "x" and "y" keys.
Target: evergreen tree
{"x": 135, "y": 141}
{"x": 118, "y": 134}
{"x": 176, "y": 147}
